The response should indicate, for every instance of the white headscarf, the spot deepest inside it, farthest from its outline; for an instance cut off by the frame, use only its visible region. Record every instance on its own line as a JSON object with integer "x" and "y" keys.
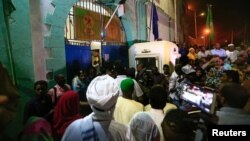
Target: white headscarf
{"x": 102, "y": 92}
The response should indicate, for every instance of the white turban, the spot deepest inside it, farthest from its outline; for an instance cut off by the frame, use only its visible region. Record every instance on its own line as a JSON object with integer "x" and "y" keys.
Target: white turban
{"x": 103, "y": 92}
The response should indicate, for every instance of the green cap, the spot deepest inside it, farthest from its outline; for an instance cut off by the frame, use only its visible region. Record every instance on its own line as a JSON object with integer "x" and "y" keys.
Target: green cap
{"x": 127, "y": 84}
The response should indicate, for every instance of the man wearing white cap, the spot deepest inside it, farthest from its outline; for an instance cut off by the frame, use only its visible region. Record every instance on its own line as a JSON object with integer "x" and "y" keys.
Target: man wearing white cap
{"x": 232, "y": 54}
{"x": 102, "y": 94}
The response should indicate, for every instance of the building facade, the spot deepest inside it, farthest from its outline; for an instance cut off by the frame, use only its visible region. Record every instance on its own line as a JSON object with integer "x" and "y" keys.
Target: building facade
{"x": 32, "y": 47}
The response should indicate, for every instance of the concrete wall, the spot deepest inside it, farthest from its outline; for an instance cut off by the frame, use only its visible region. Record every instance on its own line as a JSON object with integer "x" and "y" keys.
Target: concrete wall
{"x": 17, "y": 43}
{"x": 54, "y": 21}
{"x": 167, "y": 19}
{"x": 21, "y": 45}
{"x": 5, "y": 44}
{"x": 167, "y": 6}
{"x": 141, "y": 19}
{"x": 129, "y": 22}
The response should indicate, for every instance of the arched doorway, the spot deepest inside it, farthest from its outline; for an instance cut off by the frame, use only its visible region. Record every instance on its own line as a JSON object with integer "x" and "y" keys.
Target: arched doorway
{"x": 55, "y": 40}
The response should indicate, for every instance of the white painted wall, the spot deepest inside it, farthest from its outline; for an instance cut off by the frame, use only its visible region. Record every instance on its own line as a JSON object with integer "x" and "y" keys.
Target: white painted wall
{"x": 166, "y": 23}
{"x": 163, "y": 24}
{"x": 167, "y": 6}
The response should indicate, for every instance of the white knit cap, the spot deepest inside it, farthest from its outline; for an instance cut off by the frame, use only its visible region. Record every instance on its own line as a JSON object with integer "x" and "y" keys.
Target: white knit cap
{"x": 103, "y": 92}
{"x": 187, "y": 69}
{"x": 230, "y": 45}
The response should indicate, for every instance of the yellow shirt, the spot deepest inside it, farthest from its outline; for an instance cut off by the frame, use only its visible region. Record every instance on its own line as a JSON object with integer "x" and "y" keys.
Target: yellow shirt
{"x": 125, "y": 110}
{"x": 192, "y": 56}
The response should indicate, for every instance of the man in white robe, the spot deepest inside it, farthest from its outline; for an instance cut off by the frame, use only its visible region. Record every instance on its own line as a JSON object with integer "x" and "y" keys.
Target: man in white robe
{"x": 102, "y": 95}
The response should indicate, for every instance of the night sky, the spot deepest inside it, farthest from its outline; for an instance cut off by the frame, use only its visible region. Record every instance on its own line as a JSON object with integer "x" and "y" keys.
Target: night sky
{"x": 229, "y": 16}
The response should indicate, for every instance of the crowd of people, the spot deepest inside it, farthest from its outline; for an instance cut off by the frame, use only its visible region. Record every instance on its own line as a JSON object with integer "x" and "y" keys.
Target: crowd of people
{"x": 141, "y": 103}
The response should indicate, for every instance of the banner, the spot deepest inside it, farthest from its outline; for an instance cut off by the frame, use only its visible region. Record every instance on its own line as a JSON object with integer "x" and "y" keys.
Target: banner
{"x": 87, "y": 26}
{"x": 121, "y": 10}
{"x": 155, "y": 22}
{"x": 194, "y": 41}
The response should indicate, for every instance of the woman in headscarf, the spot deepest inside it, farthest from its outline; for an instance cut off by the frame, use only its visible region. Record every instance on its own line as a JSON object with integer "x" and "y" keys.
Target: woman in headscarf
{"x": 191, "y": 54}
{"x": 66, "y": 111}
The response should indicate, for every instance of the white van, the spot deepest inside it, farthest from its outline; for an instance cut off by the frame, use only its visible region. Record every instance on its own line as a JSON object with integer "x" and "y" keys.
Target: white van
{"x": 155, "y": 53}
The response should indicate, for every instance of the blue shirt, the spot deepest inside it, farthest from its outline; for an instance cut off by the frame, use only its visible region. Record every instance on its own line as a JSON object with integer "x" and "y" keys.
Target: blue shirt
{"x": 220, "y": 52}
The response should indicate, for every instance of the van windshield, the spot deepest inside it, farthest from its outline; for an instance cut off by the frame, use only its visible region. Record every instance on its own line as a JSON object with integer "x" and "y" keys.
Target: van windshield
{"x": 148, "y": 62}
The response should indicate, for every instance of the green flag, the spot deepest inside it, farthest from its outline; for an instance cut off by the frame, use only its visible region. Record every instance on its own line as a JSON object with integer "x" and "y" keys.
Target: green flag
{"x": 209, "y": 23}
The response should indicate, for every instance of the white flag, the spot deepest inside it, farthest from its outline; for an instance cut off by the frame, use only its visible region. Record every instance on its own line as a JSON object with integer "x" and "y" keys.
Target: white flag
{"x": 121, "y": 10}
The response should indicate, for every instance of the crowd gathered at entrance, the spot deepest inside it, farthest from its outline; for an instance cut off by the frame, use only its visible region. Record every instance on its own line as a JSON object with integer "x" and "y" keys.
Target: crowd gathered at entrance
{"x": 142, "y": 104}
